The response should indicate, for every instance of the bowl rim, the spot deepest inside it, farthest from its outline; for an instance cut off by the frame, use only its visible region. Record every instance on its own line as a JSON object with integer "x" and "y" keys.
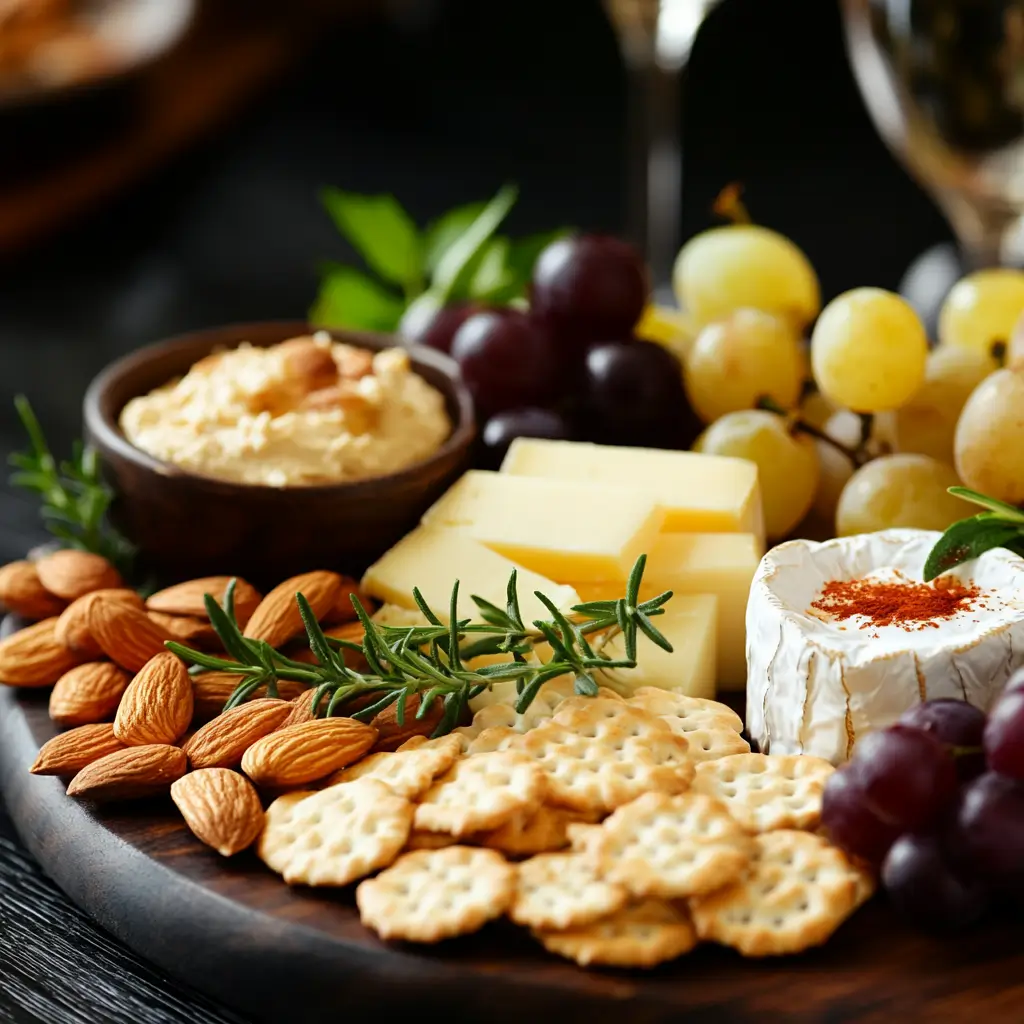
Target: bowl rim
{"x": 108, "y": 436}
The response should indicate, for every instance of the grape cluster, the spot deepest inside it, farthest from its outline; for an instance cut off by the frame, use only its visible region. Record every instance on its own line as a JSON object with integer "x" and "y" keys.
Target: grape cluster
{"x": 936, "y": 803}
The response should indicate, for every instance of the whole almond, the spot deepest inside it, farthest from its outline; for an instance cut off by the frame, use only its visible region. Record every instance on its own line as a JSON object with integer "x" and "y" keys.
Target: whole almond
{"x": 391, "y": 735}
{"x": 221, "y": 807}
{"x": 125, "y": 634}
{"x": 301, "y": 708}
{"x": 211, "y": 691}
{"x": 88, "y": 693}
{"x": 72, "y": 574}
{"x": 73, "y": 624}
{"x": 188, "y": 629}
{"x": 277, "y": 618}
{"x": 222, "y": 742}
{"x": 343, "y": 610}
{"x": 188, "y": 598}
{"x": 71, "y": 751}
{"x": 34, "y": 657}
{"x": 309, "y": 365}
{"x": 130, "y": 774}
{"x": 307, "y": 751}
{"x": 22, "y": 592}
{"x": 157, "y": 706}
{"x": 299, "y": 650}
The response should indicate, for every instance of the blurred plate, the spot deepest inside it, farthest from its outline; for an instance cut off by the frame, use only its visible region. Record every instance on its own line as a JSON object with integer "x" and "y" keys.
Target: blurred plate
{"x": 106, "y": 40}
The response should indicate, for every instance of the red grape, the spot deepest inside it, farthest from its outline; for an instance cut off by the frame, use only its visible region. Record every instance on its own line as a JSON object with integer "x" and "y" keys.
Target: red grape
{"x": 955, "y": 723}
{"x": 990, "y": 829}
{"x": 589, "y": 288}
{"x": 424, "y": 324}
{"x": 923, "y": 884}
{"x": 1004, "y": 735}
{"x": 907, "y": 776}
{"x": 503, "y": 428}
{"x": 849, "y": 823}
{"x": 506, "y": 360}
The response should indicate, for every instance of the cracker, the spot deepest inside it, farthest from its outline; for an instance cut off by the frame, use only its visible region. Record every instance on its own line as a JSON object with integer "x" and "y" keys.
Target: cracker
{"x": 428, "y": 841}
{"x": 672, "y": 846}
{"x": 642, "y": 935}
{"x": 796, "y": 893}
{"x": 409, "y": 772}
{"x": 448, "y": 742}
{"x": 683, "y": 713}
{"x": 607, "y": 754}
{"x": 490, "y": 740}
{"x": 480, "y": 793}
{"x": 767, "y": 791}
{"x": 336, "y": 835}
{"x": 544, "y": 830}
{"x": 430, "y": 895}
{"x": 711, "y": 744}
{"x": 562, "y": 890}
{"x": 583, "y": 836}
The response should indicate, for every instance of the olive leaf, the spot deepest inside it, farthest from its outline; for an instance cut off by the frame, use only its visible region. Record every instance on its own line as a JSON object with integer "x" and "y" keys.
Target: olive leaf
{"x": 350, "y": 298}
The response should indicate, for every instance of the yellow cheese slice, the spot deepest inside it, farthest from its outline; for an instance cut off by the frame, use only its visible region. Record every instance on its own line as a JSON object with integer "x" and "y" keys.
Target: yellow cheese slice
{"x": 561, "y": 529}
{"x": 432, "y": 558}
{"x": 689, "y": 624}
{"x": 722, "y": 564}
{"x": 700, "y": 493}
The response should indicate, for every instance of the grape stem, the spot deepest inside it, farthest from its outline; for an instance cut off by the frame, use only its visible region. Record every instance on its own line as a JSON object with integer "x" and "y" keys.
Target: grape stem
{"x": 858, "y": 456}
{"x": 728, "y": 204}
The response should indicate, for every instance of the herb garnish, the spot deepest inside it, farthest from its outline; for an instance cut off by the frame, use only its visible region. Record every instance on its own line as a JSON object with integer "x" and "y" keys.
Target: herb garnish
{"x": 1001, "y": 526}
{"x": 431, "y": 661}
{"x": 74, "y": 497}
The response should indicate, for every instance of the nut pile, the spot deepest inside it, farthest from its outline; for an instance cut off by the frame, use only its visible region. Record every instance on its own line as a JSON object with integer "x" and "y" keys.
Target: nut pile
{"x": 620, "y": 830}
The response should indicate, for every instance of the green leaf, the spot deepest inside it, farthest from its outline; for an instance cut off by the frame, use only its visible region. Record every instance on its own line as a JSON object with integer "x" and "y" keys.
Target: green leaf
{"x": 442, "y": 233}
{"x": 349, "y": 298}
{"x": 968, "y": 539}
{"x": 1001, "y": 508}
{"x": 489, "y": 275}
{"x": 382, "y": 233}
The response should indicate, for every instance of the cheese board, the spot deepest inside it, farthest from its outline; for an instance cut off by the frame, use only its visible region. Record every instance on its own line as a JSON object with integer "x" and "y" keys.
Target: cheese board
{"x": 230, "y": 929}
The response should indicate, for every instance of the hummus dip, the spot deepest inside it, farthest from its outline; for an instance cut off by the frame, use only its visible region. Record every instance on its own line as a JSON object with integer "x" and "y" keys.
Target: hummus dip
{"x": 306, "y": 411}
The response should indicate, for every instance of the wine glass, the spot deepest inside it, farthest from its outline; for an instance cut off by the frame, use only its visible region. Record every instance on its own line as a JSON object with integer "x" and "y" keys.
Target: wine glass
{"x": 943, "y": 81}
{"x": 656, "y": 37}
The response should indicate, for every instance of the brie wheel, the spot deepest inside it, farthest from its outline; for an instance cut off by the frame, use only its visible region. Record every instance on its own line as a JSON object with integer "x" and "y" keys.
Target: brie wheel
{"x": 817, "y": 687}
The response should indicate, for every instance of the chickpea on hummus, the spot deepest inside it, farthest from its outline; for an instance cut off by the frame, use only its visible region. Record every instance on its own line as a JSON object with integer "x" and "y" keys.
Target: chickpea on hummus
{"x": 306, "y": 411}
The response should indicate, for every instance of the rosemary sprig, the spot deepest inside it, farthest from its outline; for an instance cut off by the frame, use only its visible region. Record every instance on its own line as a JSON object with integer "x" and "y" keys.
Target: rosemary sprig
{"x": 431, "y": 662}
{"x": 74, "y": 497}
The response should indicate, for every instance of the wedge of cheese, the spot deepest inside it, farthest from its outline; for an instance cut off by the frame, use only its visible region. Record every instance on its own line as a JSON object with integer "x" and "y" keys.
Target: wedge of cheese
{"x": 561, "y": 529}
{"x": 432, "y": 558}
{"x": 689, "y": 624}
{"x": 700, "y": 493}
{"x": 722, "y": 564}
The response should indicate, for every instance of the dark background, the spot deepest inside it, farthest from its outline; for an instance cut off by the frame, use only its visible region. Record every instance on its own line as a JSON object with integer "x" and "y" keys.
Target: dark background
{"x": 438, "y": 111}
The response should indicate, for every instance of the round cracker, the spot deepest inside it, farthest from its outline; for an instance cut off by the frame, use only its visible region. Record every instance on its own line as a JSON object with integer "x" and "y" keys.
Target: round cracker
{"x": 562, "y": 890}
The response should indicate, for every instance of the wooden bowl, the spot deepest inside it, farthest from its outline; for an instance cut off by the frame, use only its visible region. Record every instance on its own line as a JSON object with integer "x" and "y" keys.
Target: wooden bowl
{"x": 187, "y": 525}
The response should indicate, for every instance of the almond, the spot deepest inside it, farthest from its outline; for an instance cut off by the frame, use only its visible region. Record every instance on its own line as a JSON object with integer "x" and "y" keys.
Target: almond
{"x": 157, "y": 706}
{"x": 301, "y": 708}
{"x": 342, "y": 610}
{"x": 71, "y": 751}
{"x": 221, "y": 807}
{"x": 211, "y": 691}
{"x": 277, "y": 618}
{"x": 131, "y": 773}
{"x": 73, "y": 624}
{"x": 309, "y": 365}
{"x": 222, "y": 742}
{"x": 34, "y": 657}
{"x": 125, "y": 634}
{"x": 22, "y": 592}
{"x": 391, "y": 735}
{"x": 72, "y": 574}
{"x": 188, "y": 598}
{"x": 189, "y": 630}
{"x": 88, "y": 693}
{"x": 307, "y": 751}
{"x": 299, "y": 650}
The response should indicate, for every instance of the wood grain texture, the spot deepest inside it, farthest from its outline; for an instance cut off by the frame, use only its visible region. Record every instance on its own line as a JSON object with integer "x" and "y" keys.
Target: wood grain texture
{"x": 234, "y": 931}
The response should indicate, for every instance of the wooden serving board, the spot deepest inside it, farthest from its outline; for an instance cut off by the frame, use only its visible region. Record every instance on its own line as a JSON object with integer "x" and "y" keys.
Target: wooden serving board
{"x": 233, "y": 930}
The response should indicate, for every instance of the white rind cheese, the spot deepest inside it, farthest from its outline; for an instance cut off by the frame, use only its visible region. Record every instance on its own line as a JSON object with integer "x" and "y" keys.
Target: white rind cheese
{"x": 816, "y": 687}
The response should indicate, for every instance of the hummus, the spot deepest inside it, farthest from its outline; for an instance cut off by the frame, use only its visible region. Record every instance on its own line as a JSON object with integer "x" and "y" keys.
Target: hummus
{"x": 306, "y": 411}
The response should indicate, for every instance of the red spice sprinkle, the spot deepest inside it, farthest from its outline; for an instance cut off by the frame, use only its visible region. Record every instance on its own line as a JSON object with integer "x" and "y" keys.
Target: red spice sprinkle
{"x": 909, "y": 606}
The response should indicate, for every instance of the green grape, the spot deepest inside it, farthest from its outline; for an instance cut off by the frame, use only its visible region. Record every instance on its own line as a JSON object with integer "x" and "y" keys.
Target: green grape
{"x": 816, "y": 410}
{"x": 1015, "y": 352}
{"x": 736, "y": 361}
{"x": 868, "y": 350}
{"x": 990, "y": 437}
{"x": 787, "y": 464}
{"x": 743, "y": 265}
{"x": 926, "y": 425}
{"x": 982, "y": 309}
{"x": 835, "y": 470}
{"x": 899, "y": 491}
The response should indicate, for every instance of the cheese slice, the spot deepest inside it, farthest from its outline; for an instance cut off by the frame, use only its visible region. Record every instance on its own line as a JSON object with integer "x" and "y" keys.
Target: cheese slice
{"x": 561, "y": 529}
{"x": 722, "y": 564}
{"x": 689, "y": 624}
{"x": 818, "y": 686}
{"x": 432, "y": 558}
{"x": 700, "y": 493}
